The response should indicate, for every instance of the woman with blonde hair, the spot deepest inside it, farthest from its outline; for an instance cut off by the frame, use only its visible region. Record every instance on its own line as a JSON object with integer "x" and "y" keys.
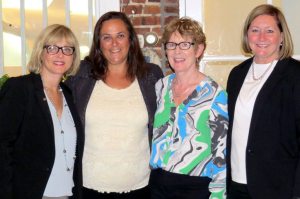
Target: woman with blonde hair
{"x": 264, "y": 112}
{"x": 41, "y": 137}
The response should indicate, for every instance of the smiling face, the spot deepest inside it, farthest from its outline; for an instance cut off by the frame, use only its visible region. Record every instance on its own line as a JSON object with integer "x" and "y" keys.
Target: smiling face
{"x": 264, "y": 38}
{"x": 183, "y": 60}
{"x": 114, "y": 42}
{"x": 56, "y": 64}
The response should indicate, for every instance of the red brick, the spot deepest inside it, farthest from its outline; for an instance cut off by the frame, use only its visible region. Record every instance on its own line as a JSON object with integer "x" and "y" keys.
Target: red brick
{"x": 142, "y": 30}
{"x": 138, "y": 1}
{"x": 133, "y": 9}
{"x": 158, "y": 30}
{"x": 172, "y": 1}
{"x": 147, "y": 18}
{"x": 151, "y": 9}
{"x": 136, "y": 21}
{"x": 171, "y": 9}
{"x": 151, "y": 20}
{"x": 125, "y": 2}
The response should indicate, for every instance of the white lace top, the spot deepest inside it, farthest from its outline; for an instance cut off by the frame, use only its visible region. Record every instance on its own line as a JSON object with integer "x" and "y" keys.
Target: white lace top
{"x": 116, "y": 154}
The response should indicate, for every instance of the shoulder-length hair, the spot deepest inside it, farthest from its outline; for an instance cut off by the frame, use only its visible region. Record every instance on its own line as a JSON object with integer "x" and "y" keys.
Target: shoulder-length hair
{"x": 287, "y": 48}
{"x": 50, "y": 35}
{"x": 135, "y": 59}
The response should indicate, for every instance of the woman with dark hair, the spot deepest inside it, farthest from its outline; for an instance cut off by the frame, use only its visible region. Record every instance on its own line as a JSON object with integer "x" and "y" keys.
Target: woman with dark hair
{"x": 264, "y": 112}
{"x": 115, "y": 95}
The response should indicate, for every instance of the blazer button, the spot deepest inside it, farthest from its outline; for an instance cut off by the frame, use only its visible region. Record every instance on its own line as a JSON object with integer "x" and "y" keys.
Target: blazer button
{"x": 250, "y": 151}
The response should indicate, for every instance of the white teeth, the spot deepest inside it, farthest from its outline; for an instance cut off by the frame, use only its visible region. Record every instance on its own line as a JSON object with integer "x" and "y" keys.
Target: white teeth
{"x": 262, "y": 45}
{"x": 178, "y": 59}
{"x": 115, "y": 51}
{"x": 59, "y": 62}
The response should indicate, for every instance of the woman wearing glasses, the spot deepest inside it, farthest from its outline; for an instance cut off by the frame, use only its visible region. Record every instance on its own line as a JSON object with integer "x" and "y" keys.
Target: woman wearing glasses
{"x": 190, "y": 125}
{"x": 41, "y": 137}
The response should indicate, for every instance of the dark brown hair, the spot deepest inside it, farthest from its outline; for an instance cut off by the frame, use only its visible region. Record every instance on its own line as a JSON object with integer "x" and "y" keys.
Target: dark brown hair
{"x": 135, "y": 58}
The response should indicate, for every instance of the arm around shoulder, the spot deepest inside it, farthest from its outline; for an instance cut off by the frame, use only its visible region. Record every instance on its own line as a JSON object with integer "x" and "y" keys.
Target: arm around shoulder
{"x": 155, "y": 70}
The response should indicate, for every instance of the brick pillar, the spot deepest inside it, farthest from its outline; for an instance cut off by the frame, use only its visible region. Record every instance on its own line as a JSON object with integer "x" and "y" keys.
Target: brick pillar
{"x": 151, "y": 16}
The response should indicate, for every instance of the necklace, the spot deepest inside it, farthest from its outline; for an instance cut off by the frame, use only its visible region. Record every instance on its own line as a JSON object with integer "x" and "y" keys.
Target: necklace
{"x": 55, "y": 97}
{"x": 68, "y": 168}
{"x": 262, "y": 75}
{"x": 178, "y": 92}
{"x": 62, "y": 132}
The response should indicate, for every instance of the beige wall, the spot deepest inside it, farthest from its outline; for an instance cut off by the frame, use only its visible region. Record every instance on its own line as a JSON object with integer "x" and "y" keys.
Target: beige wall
{"x": 223, "y": 22}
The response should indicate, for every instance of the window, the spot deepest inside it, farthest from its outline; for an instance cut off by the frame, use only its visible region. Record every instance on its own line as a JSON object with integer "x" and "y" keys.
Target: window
{"x": 223, "y": 21}
{"x": 23, "y": 20}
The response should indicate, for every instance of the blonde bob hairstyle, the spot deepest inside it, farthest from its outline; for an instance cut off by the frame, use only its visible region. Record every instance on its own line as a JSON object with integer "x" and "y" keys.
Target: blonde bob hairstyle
{"x": 287, "y": 48}
{"x": 186, "y": 27}
{"x": 49, "y": 36}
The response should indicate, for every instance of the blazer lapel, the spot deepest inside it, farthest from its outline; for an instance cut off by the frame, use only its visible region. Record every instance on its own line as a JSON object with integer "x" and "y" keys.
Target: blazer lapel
{"x": 42, "y": 102}
{"x": 237, "y": 84}
{"x": 266, "y": 90}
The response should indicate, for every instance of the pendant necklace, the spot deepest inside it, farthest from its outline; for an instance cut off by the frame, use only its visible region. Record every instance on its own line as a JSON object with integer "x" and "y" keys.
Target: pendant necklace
{"x": 262, "y": 75}
{"x": 62, "y": 133}
{"x": 68, "y": 168}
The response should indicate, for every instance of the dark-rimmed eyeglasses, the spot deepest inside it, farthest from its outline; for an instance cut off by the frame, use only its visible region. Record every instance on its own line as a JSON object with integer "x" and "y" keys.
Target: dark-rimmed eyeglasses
{"x": 53, "y": 49}
{"x": 182, "y": 45}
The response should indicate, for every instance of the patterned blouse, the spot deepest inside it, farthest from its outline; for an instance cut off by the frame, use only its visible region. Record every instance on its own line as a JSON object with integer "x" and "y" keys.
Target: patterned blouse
{"x": 190, "y": 139}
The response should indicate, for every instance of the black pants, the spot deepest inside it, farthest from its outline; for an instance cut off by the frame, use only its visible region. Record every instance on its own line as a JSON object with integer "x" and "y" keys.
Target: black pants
{"x": 238, "y": 191}
{"x": 143, "y": 193}
{"x": 167, "y": 185}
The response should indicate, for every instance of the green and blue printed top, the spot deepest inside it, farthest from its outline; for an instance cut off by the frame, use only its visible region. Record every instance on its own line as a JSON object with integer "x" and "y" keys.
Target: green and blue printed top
{"x": 190, "y": 139}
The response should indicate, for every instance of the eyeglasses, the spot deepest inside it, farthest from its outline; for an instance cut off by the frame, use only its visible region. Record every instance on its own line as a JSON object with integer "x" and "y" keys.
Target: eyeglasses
{"x": 182, "y": 45}
{"x": 53, "y": 49}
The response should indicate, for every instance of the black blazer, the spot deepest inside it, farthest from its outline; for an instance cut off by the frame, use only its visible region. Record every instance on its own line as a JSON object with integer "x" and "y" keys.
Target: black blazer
{"x": 27, "y": 149}
{"x": 273, "y": 148}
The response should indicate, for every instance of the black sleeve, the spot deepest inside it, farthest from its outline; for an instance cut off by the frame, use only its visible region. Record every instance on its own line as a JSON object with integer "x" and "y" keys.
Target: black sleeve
{"x": 12, "y": 99}
{"x": 156, "y": 71}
